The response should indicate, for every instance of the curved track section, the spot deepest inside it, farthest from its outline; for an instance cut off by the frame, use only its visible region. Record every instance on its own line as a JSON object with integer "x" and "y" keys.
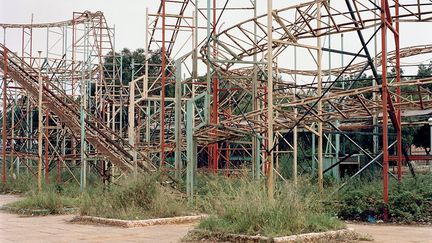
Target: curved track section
{"x": 294, "y": 26}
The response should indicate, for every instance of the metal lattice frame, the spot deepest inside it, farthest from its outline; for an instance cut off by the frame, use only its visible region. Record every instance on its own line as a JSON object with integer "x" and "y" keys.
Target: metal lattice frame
{"x": 232, "y": 101}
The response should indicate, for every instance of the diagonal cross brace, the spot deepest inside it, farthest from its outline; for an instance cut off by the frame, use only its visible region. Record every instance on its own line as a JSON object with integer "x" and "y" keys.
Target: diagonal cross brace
{"x": 390, "y": 107}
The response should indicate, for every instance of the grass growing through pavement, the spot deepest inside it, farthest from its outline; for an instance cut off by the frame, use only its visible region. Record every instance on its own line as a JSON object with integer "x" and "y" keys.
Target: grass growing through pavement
{"x": 143, "y": 198}
{"x": 130, "y": 199}
{"x": 53, "y": 199}
{"x": 46, "y": 202}
{"x": 242, "y": 207}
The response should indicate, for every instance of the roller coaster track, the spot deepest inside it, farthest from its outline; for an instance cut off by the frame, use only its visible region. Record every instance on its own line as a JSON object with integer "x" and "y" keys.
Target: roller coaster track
{"x": 291, "y": 25}
{"x": 104, "y": 140}
{"x": 82, "y": 18}
{"x": 298, "y": 22}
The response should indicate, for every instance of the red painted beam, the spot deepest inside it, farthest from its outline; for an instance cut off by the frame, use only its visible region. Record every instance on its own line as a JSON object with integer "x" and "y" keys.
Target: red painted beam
{"x": 384, "y": 105}
{"x": 412, "y": 157}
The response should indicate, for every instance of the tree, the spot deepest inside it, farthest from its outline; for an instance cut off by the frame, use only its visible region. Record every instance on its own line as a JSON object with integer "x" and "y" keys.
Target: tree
{"x": 124, "y": 61}
{"x": 128, "y": 61}
{"x": 424, "y": 70}
{"x": 132, "y": 60}
{"x": 422, "y": 138}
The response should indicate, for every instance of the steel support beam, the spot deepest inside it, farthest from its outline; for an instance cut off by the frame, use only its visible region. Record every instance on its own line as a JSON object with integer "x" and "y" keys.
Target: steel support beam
{"x": 270, "y": 115}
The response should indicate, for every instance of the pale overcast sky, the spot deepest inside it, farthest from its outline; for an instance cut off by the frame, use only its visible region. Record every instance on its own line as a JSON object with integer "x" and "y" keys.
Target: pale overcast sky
{"x": 128, "y": 16}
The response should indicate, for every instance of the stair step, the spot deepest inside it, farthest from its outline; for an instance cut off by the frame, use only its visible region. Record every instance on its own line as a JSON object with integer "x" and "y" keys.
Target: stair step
{"x": 116, "y": 150}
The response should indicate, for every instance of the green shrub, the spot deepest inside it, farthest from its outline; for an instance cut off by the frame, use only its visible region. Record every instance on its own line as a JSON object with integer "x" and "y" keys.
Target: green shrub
{"x": 409, "y": 200}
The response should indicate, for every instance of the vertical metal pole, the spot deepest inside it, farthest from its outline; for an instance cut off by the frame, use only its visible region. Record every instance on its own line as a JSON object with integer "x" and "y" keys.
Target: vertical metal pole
{"x": 336, "y": 170}
{"x": 398, "y": 93}
{"x": 145, "y": 86}
{"x": 148, "y": 123}
{"x": 12, "y": 159}
{"x": 83, "y": 90}
{"x": 46, "y": 146}
{"x": 40, "y": 124}
{"x": 63, "y": 142}
{"x": 82, "y": 138}
{"x": 270, "y": 182}
{"x": 195, "y": 54}
{"x": 207, "y": 105}
{"x": 121, "y": 105}
{"x": 46, "y": 119}
{"x": 5, "y": 73}
{"x": 320, "y": 106}
{"x": 329, "y": 160}
{"x": 295, "y": 131}
{"x": 255, "y": 148}
{"x": 131, "y": 125}
{"x": 74, "y": 62}
{"x": 313, "y": 151}
{"x": 375, "y": 136}
{"x": 384, "y": 106}
{"x": 177, "y": 117}
{"x": 191, "y": 152}
{"x": 148, "y": 103}
{"x": 190, "y": 115}
{"x": 31, "y": 41}
{"x": 214, "y": 115}
{"x": 208, "y": 83}
{"x": 342, "y": 57}
{"x": 162, "y": 92}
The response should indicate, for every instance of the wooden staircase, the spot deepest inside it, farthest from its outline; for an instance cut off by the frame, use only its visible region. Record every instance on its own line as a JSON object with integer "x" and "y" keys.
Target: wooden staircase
{"x": 111, "y": 146}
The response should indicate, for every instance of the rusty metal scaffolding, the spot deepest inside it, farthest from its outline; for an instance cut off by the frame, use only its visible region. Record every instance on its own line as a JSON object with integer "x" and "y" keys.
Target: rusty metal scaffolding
{"x": 231, "y": 100}
{"x": 83, "y": 100}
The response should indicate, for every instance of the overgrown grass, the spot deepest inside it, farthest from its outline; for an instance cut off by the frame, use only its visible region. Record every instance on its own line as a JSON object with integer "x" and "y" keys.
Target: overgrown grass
{"x": 47, "y": 202}
{"x": 130, "y": 199}
{"x": 22, "y": 184}
{"x": 242, "y": 206}
{"x": 133, "y": 199}
{"x": 409, "y": 201}
{"x": 52, "y": 199}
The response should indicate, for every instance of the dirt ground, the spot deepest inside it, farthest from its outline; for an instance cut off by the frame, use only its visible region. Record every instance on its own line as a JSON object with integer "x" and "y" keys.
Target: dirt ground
{"x": 15, "y": 228}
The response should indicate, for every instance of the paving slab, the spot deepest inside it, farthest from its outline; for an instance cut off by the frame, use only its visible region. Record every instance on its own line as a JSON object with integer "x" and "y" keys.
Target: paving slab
{"x": 15, "y": 228}
{"x": 387, "y": 233}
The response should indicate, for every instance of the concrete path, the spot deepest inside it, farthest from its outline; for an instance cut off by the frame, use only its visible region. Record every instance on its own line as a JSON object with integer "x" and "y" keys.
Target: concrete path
{"x": 395, "y": 233}
{"x": 15, "y": 228}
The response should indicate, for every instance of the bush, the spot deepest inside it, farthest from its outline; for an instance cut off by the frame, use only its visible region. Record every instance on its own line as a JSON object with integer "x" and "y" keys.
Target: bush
{"x": 409, "y": 201}
{"x": 242, "y": 207}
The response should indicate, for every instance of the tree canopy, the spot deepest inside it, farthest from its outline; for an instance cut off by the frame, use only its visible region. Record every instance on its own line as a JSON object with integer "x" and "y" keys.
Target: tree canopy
{"x": 422, "y": 138}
